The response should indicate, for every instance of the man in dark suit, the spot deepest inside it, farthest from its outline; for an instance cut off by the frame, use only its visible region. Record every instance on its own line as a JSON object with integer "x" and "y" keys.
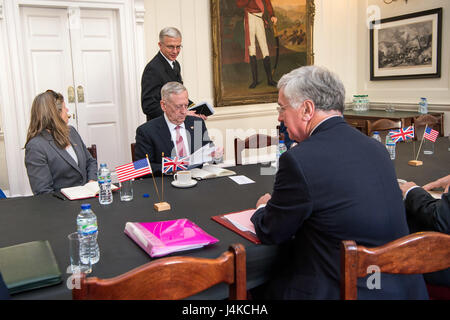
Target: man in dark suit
{"x": 4, "y": 293}
{"x": 425, "y": 213}
{"x": 336, "y": 184}
{"x": 161, "y": 69}
{"x": 174, "y": 133}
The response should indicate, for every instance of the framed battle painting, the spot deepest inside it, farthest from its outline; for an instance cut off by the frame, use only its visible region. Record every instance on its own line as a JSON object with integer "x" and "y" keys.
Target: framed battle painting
{"x": 255, "y": 42}
{"x": 407, "y": 46}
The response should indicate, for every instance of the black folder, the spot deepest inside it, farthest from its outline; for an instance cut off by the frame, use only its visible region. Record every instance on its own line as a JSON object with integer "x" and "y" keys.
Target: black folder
{"x": 202, "y": 108}
{"x": 28, "y": 266}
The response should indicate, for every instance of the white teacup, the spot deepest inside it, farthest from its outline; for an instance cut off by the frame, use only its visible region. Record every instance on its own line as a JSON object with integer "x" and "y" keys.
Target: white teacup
{"x": 183, "y": 177}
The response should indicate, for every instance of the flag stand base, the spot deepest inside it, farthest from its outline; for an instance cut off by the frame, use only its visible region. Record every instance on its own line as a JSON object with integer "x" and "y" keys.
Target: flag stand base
{"x": 415, "y": 163}
{"x": 161, "y": 206}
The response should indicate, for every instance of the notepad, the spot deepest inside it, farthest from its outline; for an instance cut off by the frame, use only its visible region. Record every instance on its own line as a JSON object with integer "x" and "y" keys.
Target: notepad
{"x": 210, "y": 171}
{"x": 240, "y": 223}
{"x": 89, "y": 190}
{"x": 28, "y": 266}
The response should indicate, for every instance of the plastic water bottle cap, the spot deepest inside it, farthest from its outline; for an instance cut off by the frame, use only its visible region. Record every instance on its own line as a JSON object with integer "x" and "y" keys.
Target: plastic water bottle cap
{"x": 85, "y": 206}
{"x": 281, "y": 141}
{"x": 145, "y": 195}
{"x": 375, "y": 132}
{"x": 102, "y": 165}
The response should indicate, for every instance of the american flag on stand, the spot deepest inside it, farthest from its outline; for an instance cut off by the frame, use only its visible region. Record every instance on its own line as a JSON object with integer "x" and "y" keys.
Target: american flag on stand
{"x": 133, "y": 170}
{"x": 402, "y": 134}
{"x": 430, "y": 134}
{"x": 174, "y": 164}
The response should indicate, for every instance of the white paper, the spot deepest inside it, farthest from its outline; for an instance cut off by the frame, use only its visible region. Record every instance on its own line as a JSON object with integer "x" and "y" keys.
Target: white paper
{"x": 202, "y": 155}
{"x": 241, "y": 179}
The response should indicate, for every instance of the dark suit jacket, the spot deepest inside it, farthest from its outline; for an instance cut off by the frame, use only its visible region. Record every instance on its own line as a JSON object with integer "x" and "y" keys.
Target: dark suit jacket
{"x": 425, "y": 213}
{"x": 4, "y": 293}
{"x": 156, "y": 74}
{"x": 336, "y": 185}
{"x": 153, "y": 138}
{"x": 50, "y": 168}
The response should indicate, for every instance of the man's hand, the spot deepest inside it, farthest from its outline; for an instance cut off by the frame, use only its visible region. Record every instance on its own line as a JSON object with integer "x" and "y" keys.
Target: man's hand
{"x": 193, "y": 114}
{"x": 406, "y": 186}
{"x": 263, "y": 200}
{"x": 440, "y": 183}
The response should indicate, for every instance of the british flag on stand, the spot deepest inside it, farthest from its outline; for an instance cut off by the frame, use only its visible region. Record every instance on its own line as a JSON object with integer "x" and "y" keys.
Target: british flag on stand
{"x": 133, "y": 170}
{"x": 430, "y": 134}
{"x": 174, "y": 164}
{"x": 402, "y": 134}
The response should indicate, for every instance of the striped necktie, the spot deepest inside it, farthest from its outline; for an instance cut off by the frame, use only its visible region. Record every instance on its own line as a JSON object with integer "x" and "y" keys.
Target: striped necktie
{"x": 180, "y": 143}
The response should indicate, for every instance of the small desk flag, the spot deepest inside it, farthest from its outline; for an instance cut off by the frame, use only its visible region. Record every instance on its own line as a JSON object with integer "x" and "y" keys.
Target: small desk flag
{"x": 174, "y": 164}
{"x": 133, "y": 170}
{"x": 430, "y": 134}
{"x": 402, "y": 134}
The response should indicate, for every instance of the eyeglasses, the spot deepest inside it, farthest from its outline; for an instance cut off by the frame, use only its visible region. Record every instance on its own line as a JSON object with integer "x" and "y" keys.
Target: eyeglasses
{"x": 172, "y": 48}
{"x": 281, "y": 109}
{"x": 180, "y": 107}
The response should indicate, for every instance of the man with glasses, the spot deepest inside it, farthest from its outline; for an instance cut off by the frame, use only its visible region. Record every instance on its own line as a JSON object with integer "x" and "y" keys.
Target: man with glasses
{"x": 175, "y": 132}
{"x": 161, "y": 69}
{"x": 336, "y": 184}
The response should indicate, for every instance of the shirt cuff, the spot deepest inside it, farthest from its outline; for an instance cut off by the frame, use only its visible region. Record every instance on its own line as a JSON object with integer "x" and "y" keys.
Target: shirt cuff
{"x": 406, "y": 193}
{"x": 261, "y": 206}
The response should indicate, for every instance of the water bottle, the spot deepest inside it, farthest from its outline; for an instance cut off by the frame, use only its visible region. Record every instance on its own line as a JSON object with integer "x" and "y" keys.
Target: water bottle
{"x": 87, "y": 229}
{"x": 104, "y": 182}
{"x": 390, "y": 146}
{"x": 281, "y": 148}
{"x": 423, "y": 106}
{"x": 376, "y": 136}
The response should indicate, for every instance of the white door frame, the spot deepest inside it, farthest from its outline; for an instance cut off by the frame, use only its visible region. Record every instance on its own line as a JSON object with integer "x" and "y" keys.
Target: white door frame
{"x": 13, "y": 87}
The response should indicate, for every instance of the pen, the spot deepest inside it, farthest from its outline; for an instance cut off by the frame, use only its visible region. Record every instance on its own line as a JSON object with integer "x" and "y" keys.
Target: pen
{"x": 59, "y": 196}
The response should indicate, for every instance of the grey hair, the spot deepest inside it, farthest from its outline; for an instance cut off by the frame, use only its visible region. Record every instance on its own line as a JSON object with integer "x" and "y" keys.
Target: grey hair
{"x": 170, "y": 32}
{"x": 315, "y": 83}
{"x": 171, "y": 88}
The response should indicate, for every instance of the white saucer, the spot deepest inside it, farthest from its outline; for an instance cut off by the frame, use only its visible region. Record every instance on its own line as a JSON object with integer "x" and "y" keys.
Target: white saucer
{"x": 184, "y": 185}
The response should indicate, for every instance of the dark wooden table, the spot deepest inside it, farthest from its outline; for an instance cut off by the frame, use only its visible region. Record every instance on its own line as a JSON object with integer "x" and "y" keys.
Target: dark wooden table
{"x": 48, "y": 218}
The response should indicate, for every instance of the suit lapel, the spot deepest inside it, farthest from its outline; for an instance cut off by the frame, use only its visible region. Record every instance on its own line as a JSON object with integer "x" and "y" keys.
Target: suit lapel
{"x": 165, "y": 136}
{"x": 63, "y": 153}
{"x": 173, "y": 75}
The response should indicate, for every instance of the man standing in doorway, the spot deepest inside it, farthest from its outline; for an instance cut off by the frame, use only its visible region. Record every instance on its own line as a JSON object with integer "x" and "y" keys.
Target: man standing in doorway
{"x": 254, "y": 25}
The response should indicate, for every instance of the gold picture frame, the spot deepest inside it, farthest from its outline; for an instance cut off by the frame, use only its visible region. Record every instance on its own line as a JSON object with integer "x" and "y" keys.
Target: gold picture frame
{"x": 290, "y": 45}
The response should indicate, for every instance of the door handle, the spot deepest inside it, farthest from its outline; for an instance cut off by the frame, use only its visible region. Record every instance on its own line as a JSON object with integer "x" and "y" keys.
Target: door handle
{"x": 71, "y": 94}
{"x": 80, "y": 94}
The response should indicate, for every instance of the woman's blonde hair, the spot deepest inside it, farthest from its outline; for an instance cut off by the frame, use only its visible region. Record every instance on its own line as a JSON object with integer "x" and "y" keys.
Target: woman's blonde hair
{"x": 45, "y": 115}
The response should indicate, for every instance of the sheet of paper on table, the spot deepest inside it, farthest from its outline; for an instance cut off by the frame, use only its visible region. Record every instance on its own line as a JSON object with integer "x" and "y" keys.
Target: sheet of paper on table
{"x": 241, "y": 179}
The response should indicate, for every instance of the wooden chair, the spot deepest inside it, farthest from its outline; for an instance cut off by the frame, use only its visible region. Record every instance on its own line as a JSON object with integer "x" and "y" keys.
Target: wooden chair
{"x": 93, "y": 151}
{"x": 425, "y": 120}
{"x": 416, "y": 253}
{"x": 133, "y": 157}
{"x": 171, "y": 278}
{"x": 382, "y": 125}
{"x": 255, "y": 141}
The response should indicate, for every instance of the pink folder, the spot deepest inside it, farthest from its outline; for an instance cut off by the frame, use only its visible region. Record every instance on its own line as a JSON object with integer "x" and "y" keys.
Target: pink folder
{"x": 163, "y": 237}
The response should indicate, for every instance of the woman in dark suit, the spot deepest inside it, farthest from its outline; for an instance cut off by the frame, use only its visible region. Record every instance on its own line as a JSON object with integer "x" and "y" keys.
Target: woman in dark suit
{"x": 55, "y": 155}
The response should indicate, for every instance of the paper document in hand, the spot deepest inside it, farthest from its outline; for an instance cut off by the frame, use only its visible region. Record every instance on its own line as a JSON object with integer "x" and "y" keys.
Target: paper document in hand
{"x": 241, "y": 220}
{"x": 202, "y": 155}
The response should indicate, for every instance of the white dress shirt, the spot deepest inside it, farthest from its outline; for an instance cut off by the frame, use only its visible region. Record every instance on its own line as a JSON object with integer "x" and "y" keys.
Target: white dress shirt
{"x": 173, "y": 135}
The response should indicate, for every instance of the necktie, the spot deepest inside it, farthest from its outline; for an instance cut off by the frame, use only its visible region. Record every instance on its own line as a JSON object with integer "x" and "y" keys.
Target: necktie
{"x": 176, "y": 67}
{"x": 180, "y": 143}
